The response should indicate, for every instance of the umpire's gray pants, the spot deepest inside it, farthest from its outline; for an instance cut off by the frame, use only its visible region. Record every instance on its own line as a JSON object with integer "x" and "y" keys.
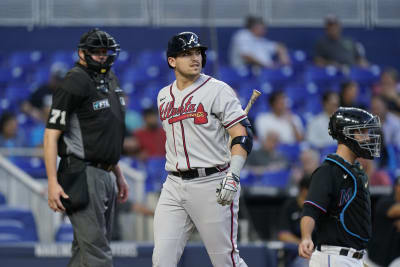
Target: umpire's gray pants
{"x": 93, "y": 225}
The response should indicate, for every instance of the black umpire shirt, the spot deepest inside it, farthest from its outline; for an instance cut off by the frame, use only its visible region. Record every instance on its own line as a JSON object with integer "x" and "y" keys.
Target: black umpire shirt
{"x": 90, "y": 110}
{"x": 339, "y": 201}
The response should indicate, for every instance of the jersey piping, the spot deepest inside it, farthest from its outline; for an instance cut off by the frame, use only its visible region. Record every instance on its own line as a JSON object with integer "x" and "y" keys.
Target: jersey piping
{"x": 73, "y": 138}
{"x": 315, "y": 204}
{"x": 232, "y": 122}
{"x": 348, "y": 203}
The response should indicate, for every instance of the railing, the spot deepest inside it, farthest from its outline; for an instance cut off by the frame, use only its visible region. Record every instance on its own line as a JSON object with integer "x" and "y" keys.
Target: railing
{"x": 221, "y": 13}
{"x": 24, "y": 191}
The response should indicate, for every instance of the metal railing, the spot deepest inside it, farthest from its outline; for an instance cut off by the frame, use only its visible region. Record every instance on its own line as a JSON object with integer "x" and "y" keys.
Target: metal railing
{"x": 221, "y": 13}
{"x": 21, "y": 190}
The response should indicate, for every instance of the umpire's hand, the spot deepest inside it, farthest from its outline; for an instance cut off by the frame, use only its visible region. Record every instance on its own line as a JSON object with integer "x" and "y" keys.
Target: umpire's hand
{"x": 306, "y": 248}
{"x": 123, "y": 189}
{"x": 55, "y": 191}
{"x": 227, "y": 189}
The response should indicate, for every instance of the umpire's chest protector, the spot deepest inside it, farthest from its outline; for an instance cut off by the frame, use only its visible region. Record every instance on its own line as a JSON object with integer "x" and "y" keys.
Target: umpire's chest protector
{"x": 353, "y": 205}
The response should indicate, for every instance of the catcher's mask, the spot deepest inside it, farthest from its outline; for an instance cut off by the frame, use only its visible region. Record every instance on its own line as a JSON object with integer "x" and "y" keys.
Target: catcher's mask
{"x": 93, "y": 41}
{"x": 347, "y": 123}
{"x": 184, "y": 41}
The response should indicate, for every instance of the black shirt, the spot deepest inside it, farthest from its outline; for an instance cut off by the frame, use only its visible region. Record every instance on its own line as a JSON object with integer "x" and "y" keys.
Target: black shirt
{"x": 290, "y": 217}
{"x": 385, "y": 242}
{"x": 339, "y": 202}
{"x": 343, "y": 51}
{"x": 41, "y": 97}
{"x": 90, "y": 110}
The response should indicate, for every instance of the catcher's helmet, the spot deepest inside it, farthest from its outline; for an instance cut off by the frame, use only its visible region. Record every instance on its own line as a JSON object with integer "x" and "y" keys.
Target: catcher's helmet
{"x": 95, "y": 39}
{"x": 345, "y": 123}
{"x": 184, "y": 41}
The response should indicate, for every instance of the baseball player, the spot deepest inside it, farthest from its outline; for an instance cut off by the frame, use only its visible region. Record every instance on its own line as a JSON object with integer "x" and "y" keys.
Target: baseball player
{"x": 198, "y": 114}
{"x": 338, "y": 202}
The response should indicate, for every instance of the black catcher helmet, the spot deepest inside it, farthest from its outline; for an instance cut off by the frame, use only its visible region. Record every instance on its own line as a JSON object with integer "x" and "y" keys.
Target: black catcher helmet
{"x": 184, "y": 41}
{"x": 95, "y": 39}
{"x": 345, "y": 123}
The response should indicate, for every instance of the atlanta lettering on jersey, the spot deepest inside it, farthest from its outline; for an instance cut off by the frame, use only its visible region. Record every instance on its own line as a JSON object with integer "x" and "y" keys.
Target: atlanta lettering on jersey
{"x": 185, "y": 111}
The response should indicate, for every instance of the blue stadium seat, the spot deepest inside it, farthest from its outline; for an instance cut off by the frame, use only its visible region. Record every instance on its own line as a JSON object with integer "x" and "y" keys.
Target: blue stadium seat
{"x": 325, "y": 78}
{"x": 149, "y": 58}
{"x": 327, "y": 150}
{"x": 156, "y": 174}
{"x": 365, "y": 77}
{"x": 123, "y": 61}
{"x": 25, "y": 59}
{"x": 291, "y": 152}
{"x": 3, "y": 199}
{"x": 17, "y": 225}
{"x": 233, "y": 76}
{"x": 141, "y": 75}
{"x": 279, "y": 179}
{"x": 64, "y": 233}
{"x": 8, "y": 75}
{"x": 34, "y": 166}
{"x": 278, "y": 78}
{"x": 67, "y": 57}
{"x": 17, "y": 92}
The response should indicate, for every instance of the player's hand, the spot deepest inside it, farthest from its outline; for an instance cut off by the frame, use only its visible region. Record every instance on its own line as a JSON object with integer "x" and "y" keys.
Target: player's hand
{"x": 55, "y": 191}
{"x": 227, "y": 189}
{"x": 123, "y": 189}
{"x": 306, "y": 248}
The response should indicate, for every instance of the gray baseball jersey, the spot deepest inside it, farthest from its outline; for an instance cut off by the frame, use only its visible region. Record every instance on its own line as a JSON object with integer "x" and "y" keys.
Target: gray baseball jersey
{"x": 196, "y": 120}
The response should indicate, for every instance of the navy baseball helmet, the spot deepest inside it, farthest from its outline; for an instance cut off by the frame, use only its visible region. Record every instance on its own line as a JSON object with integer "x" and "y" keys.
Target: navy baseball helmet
{"x": 345, "y": 123}
{"x": 96, "y": 39}
{"x": 184, "y": 41}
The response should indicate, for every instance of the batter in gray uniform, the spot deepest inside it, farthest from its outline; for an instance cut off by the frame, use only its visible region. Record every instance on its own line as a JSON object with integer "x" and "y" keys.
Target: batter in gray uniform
{"x": 199, "y": 114}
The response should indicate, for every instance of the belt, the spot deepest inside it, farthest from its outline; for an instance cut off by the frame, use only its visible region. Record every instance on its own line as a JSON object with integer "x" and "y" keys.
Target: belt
{"x": 199, "y": 172}
{"x": 104, "y": 166}
{"x": 350, "y": 252}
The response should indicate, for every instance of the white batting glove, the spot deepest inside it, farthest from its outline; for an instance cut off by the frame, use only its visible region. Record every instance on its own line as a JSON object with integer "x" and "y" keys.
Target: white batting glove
{"x": 227, "y": 189}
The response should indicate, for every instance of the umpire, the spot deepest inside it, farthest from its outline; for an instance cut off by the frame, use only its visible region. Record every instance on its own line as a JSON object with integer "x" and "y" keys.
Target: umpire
{"x": 86, "y": 128}
{"x": 338, "y": 202}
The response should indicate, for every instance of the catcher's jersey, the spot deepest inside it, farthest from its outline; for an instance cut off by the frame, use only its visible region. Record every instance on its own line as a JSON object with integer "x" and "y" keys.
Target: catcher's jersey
{"x": 196, "y": 120}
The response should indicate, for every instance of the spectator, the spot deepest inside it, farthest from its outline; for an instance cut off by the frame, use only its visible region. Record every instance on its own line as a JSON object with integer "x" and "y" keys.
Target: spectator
{"x": 334, "y": 49}
{"x": 9, "y": 134}
{"x": 39, "y": 103}
{"x": 317, "y": 129}
{"x": 309, "y": 160}
{"x": 267, "y": 158}
{"x": 287, "y": 125}
{"x": 289, "y": 223}
{"x": 384, "y": 247}
{"x": 250, "y": 47}
{"x": 388, "y": 88}
{"x": 349, "y": 94}
{"x": 150, "y": 139}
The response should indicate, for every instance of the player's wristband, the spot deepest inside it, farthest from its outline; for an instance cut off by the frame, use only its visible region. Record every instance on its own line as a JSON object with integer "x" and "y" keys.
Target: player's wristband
{"x": 237, "y": 163}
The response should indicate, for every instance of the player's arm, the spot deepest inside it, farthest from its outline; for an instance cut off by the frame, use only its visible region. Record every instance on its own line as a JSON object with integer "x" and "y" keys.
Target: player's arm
{"x": 123, "y": 187}
{"x": 306, "y": 245}
{"x": 394, "y": 211}
{"x": 50, "y": 142}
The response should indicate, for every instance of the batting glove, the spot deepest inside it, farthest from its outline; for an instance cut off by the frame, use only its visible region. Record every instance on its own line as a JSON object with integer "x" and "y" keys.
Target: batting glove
{"x": 227, "y": 189}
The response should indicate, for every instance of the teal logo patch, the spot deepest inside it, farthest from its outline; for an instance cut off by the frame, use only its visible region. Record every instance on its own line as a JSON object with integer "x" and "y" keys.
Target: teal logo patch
{"x": 101, "y": 104}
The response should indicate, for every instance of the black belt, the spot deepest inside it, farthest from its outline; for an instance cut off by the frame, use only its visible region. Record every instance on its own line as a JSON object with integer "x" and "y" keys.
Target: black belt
{"x": 104, "y": 166}
{"x": 345, "y": 252}
{"x": 191, "y": 174}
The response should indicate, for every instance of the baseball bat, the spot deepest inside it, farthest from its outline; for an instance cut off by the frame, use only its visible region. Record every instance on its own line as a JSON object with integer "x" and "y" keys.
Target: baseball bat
{"x": 252, "y": 99}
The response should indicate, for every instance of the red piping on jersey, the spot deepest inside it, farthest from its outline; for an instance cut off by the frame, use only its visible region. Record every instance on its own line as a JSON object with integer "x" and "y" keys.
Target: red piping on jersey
{"x": 184, "y": 146}
{"x": 183, "y": 100}
{"x": 232, "y": 122}
{"x": 233, "y": 245}
{"x": 183, "y": 130}
{"x": 172, "y": 125}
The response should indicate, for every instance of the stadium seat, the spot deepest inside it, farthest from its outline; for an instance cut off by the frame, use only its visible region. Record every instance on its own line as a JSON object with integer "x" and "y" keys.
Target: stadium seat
{"x": 123, "y": 61}
{"x": 67, "y": 57}
{"x": 64, "y": 233}
{"x": 17, "y": 225}
{"x": 149, "y": 58}
{"x": 291, "y": 152}
{"x": 278, "y": 78}
{"x": 327, "y": 150}
{"x": 326, "y": 78}
{"x": 3, "y": 199}
{"x": 365, "y": 77}
{"x": 279, "y": 179}
{"x": 34, "y": 166}
{"x": 156, "y": 174}
{"x": 25, "y": 59}
{"x": 141, "y": 75}
{"x": 233, "y": 76}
